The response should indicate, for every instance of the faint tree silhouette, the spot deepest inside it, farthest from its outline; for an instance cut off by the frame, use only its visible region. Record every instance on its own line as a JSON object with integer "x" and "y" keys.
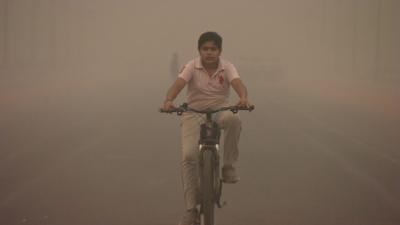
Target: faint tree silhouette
{"x": 174, "y": 65}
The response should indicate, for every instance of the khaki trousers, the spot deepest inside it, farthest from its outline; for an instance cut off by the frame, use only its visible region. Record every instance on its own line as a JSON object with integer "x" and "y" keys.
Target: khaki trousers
{"x": 190, "y": 127}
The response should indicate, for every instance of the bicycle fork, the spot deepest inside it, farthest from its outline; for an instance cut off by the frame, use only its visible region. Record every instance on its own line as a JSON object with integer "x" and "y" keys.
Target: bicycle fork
{"x": 209, "y": 141}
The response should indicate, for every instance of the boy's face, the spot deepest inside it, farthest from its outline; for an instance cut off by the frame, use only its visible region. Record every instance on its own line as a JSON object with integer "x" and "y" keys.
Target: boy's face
{"x": 209, "y": 52}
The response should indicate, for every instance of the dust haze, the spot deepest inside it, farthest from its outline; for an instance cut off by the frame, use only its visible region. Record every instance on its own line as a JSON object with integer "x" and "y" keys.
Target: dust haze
{"x": 82, "y": 141}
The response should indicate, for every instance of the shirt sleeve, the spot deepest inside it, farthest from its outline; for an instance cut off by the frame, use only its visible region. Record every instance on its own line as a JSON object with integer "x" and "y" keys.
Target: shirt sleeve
{"x": 186, "y": 72}
{"x": 231, "y": 72}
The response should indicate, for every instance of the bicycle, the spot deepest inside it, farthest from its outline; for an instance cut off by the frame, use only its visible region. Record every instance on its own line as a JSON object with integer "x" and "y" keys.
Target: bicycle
{"x": 209, "y": 167}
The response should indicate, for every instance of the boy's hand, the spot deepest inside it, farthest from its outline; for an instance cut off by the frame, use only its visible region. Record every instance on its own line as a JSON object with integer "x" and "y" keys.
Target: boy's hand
{"x": 244, "y": 102}
{"x": 168, "y": 105}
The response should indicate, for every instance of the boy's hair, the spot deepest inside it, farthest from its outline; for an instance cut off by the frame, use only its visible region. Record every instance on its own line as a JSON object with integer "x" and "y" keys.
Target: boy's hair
{"x": 210, "y": 36}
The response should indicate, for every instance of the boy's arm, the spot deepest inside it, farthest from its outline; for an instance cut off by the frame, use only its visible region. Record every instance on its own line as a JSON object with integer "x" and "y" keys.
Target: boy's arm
{"x": 241, "y": 90}
{"x": 173, "y": 91}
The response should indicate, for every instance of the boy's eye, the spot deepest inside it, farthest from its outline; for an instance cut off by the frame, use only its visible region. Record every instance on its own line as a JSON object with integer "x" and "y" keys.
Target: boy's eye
{"x": 212, "y": 49}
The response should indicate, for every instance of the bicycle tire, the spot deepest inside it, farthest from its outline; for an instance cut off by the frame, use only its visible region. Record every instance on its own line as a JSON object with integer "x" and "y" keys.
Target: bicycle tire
{"x": 208, "y": 187}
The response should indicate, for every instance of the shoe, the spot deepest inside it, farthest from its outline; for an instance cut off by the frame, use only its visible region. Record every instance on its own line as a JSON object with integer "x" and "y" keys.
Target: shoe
{"x": 229, "y": 174}
{"x": 191, "y": 217}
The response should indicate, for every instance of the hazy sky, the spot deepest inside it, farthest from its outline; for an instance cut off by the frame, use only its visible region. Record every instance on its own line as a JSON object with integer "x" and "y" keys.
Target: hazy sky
{"x": 309, "y": 38}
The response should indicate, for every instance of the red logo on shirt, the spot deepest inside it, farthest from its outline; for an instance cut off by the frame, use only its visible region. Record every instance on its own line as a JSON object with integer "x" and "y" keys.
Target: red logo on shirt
{"x": 221, "y": 80}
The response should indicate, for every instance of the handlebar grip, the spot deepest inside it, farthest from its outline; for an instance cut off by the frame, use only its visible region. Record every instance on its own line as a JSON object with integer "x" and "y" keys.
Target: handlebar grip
{"x": 179, "y": 112}
{"x": 166, "y": 111}
{"x": 246, "y": 108}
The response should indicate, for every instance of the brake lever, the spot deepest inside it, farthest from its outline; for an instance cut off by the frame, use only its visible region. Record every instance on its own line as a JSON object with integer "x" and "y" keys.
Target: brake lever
{"x": 237, "y": 108}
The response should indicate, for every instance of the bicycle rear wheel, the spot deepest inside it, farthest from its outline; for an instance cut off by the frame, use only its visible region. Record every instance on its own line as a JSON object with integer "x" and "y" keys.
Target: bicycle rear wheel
{"x": 208, "y": 187}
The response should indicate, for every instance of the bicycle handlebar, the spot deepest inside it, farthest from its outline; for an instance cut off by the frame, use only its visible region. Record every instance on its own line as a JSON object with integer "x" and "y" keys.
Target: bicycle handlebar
{"x": 185, "y": 108}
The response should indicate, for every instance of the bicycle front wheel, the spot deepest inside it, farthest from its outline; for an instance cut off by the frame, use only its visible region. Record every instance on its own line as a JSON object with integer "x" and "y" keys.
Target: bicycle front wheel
{"x": 208, "y": 190}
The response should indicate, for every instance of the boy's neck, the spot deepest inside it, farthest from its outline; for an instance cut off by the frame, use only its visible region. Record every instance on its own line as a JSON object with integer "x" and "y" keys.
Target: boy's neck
{"x": 210, "y": 66}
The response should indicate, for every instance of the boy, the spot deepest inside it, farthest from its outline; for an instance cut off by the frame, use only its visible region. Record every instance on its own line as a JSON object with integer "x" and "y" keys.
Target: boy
{"x": 209, "y": 78}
